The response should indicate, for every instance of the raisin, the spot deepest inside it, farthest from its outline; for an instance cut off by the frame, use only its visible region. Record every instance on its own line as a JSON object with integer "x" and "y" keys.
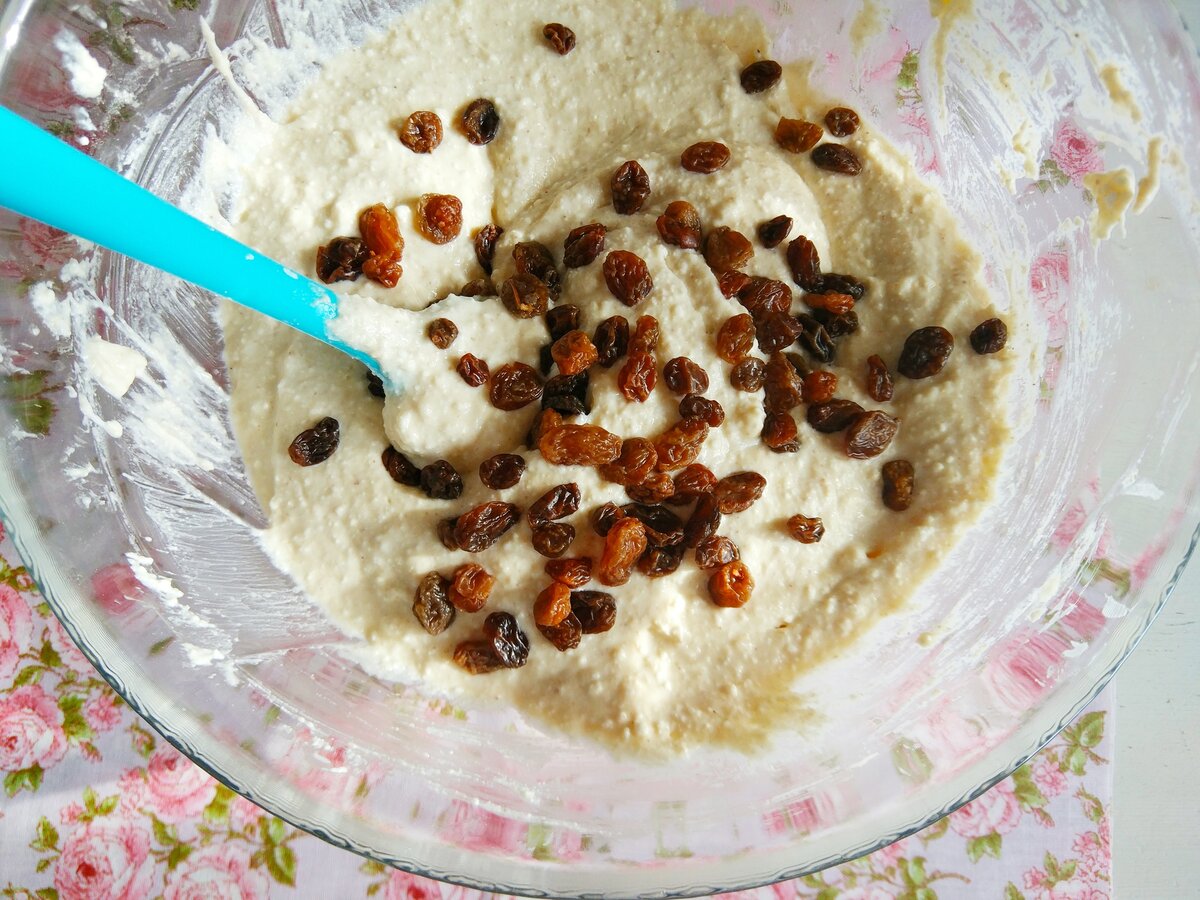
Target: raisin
{"x": 481, "y": 121}
{"x": 478, "y": 287}
{"x": 532, "y": 258}
{"x": 471, "y": 587}
{"x": 375, "y": 385}
{"x": 562, "y": 319}
{"x": 502, "y": 471}
{"x": 805, "y": 263}
{"x": 836, "y": 326}
{"x": 737, "y": 493}
{"x": 481, "y": 526}
{"x": 431, "y": 604}
{"x": 925, "y": 352}
{"x": 663, "y": 527}
{"x": 870, "y": 434}
{"x": 989, "y": 337}
{"x": 761, "y": 76}
{"x": 441, "y": 481}
{"x": 567, "y": 394}
{"x": 400, "y": 467}
{"x": 442, "y": 332}
{"x": 899, "y": 480}
{"x": 836, "y": 158}
{"x": 553, "y": 540}
{"x": 703, "y": 522}
{"x": 645, "y": 335}
{"x": 816, "y": 340}
{"x": 799, "y": 363}
{"x": 583, "y": 245}
{"x": 709, "y": 411}
{"x": 574, "y": 572}
{"x": 832, "y": 303}
{"x": 748, "y": 375}
{"x": 774, "y": 232}
{"x": 806, "y": 530}
{"x": 680, "y": 444}
{"x": 545, "y": 420}
{"x": 545, "y": 359}
{"x": 634, "y": 464}
{"x": 715, "y": 551}
{"x": 658, "y": 562}
{"x": 679, "y": 225}
{"x": 596, "y": 610}
{"x": 445, "y": 533}
{"x": 779, "y": 432}
{"x": 843, "y": 284}
{"x": 732, "y": 282}
{"x": 421, "y": 132}
{"x": 341, "y": 259}
{"x": 761, "y": 296}
{"x": 637, "y": 377}
{"x": 797, "y": 135}
{"x": 525, "y": 295}
{"x": 439, "y": 217}
{"x": 565, "y": 635}
{"x": 630, "y": 188}
{"x": 477, "y": 657}
{"x": 777, "y": 331}
{"x": 623, "y": 546}
{"x": 514, "y": 386}
{"x": 656, "y": 488}
{"x": 692, "y": 481}
{"x": 509, "y": 642}
{"x": 726, "y": 249}
{"x": 553, "y": 604}
{"x": 473, "y": 370}
{"x": 841, "y": 122}
{"x": 574, "y": 352}
{"x": 604, "y": 517}
{"x": 557, "y": 503}
{"x": 579, "y": 445}
{"x": 735, "y": 340}
{"x": 628, "y": 277}
{"x": 315, "y": 445}
{"x": 731, "y": 585}
{"x": 560, "y": 37}
{"x": 820, "y": 386}
{"x": 611, "y": 340}
{"x": 486, "y": 239}
{"x": 682, "y": 376}
{"x": 705, "y": 157}
{"x": 783, "y": 386}
{"x": 879, "y": 380}
{"x": 381, "y": 232}
{"x": 833, "y": 416}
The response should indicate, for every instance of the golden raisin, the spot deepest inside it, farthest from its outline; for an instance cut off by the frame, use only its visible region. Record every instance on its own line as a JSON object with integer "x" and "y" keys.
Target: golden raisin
{"x": 645, "y": 334}
{"x": 715, "y": 551}
{"x": 628, "y": 277}
{"x": 634, "y": 464}
{"x": 573, "y": 572}
{"x": 578, "y": 445}
{"x": 657, "y": 488}
{"x": 899, "y": 481}
{"x": 525, "y": 296}
{"x": 421, "y": 132}
{"x": 737, "y": 493}
{"x": 553, "y": 604}
{"x": 748, "y": 375}
{"x": 623, "y": 546}
{"x": 705, "y": 157}
{"x": 820, "y": 386}
{"x": 806, "y": 530}
{"x": 471, "y": 587}
{"x": 726, "y": 249}
{"x": 870, "y": 434}
{"x": 442, "y": 333}
{"x": 381, "y": 233}
{"x": 735, "y": 340}
{"x": 638, "y": 376}
{"x": 731, "y": 282}
{"x": 692, "y": 481}
{"x": 780, "y": 433}
{"x": 439, "y": 217}
{"x": 472, "y": 369}
{"x": 836, "y": 304}
{"x": 680, "y": 444}
{"x": 574, "y": 352}
{"x": 731, "y": 585}
{"x": 679, "y": 225}
{"x": 796, "y": 135}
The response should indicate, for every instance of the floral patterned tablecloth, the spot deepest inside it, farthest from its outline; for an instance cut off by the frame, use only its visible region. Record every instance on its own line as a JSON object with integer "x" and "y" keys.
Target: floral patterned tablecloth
{"x": 95, "y": 805}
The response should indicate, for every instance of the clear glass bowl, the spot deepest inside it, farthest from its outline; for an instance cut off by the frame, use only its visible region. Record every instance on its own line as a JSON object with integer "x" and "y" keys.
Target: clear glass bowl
{"x": 149, "y": 558}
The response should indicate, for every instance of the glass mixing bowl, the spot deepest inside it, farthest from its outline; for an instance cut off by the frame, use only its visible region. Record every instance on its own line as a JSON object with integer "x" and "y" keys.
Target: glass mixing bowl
{"x": 136, "y": 519}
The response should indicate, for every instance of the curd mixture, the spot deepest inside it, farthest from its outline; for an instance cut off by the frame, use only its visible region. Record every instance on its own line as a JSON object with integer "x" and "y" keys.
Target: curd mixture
{"x": 812, "y": 291}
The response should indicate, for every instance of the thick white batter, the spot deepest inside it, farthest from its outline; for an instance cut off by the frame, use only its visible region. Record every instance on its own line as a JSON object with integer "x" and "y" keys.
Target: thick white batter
{"x": 643, "y": 83}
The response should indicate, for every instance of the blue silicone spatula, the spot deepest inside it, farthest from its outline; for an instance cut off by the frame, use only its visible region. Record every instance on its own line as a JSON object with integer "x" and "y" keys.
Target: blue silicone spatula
{"x": 81, "y": 196}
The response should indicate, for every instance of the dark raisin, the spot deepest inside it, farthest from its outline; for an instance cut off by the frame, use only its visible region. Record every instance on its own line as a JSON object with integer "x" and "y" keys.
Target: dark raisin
{"x": 836, "y": 158}
{"x": 679, "y": 225}
{"x": 715, "y": 551}
{"x": 680, "y": 444}
{"x": 657, "y": 562}
{"x": 557, "y": 503}
{"x": 315, "y": 445}
{"x": 735, "y": 340}
{"x": 445, "y": 533}
{"x": 440, "y": 481}
{"x": 472, "y": 369}
{"x": 481, "y": 121}
{"x": 545, "y": 359}
{"x": 421, "y": 132}
{"x": 703, "y": 522}
{"x": 628, "y": 277}
{"x": 925, "y": 352}
{"x": 508, "y": 640}
{"x": 843, "y": 284}
{"x": 777, "y": 331}
{"x": 762, "y": 296}
{"x": 833, "y": 416}
{"x": 477, "y": 657}
{"x": 705, "y": 157}
{"x": 442, "y": 332}
{"x": 471, "y": 587}
{"x": 737, "y": 493}
{"x": 583, "y": 245}
{"x": 630, "y": 188}
{"x": 486, "y": 239}
{"x": 799, "y": 363}
{"x": 515, "y": 385}
{"x": 645, "y": 335}
{"x": 502, "y": 471}
{"x": 726, "y": 249}
{"x": 870, "y": 434}
{"x": 731, "y": 585}
{"x": 525, "y": 296}
{"x": 611, "y": 340}
{"x": 709, "y": 411}
{"x": 637, "y": 377}
{"x": 820, "y": 386}
{"x": 682, "y": 376}
{"x": 575, "y": 572}
{"x": 579, "y": 445}
{"x": 479, "y": 287}
{"x": 797, "y": 135}
{"x": 560, "y": 37}
{"x": 532, "y": 258}
{"x": 565, "y": 635}
{"x": 375, "y": 385}
{"x": 879, "y": 380}
{"x": 774, "y": 232}
{"x": 806, "y": 530}
{"x": 656, "y": 488}
{"x": 439, "y": 217}
{"x": 805, "y": 263}
{"x": 692, "y": 481}
{"x": 596, "y": 610}
{"x": 841, "y": 122}
{"x": 432, "y": 605}
{"x": 568, "y": 394}
{"x": 623, "y": 547}
{"x": 761, "y": 76}
{"x": 816, "y": 340}
{"x": 779, "y": 432}
{"x": 401, "y": 468}
{"x": 552, "y": 605}
{"x": 604, "y": 517}
{"x": 341, "y": 259}
{"x": 663, "y": 527}
{"x": 481, "y": 526}
{"x": 899, "y": 481}
{"x": 553, "y": 540}
{"x": 748, "y": 375}
{"x": 989, "y": 337}
{"x": 783, "y": 386}
{"x": 635, "y": 463}
{"x": 837, "y": 326}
